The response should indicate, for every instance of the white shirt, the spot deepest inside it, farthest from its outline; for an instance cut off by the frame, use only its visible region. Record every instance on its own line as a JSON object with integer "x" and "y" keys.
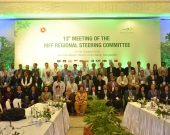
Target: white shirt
{"x": 85, "y": 70}
{"x": 105, "y": 79}
{"x": 147, "y": 72}
{"x": 136, "y": 70}
{"x": 45, "y": 70}
{"x": 48, "y": 80}
{"x": 73, "y": 86}
{"x": 11, "y": 72}
{"x": 26, "y": 83}
{"x": 54, "y": 71}
{"x": 61, "y": 84}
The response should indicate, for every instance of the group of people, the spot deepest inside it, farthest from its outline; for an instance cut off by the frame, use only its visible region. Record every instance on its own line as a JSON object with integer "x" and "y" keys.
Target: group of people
{"x": 111, "y": 83}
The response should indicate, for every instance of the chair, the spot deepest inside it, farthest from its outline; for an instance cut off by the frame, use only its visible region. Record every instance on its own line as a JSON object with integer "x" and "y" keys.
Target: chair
{"x": 8, "y": 106}
{"x": 17, "y": 103}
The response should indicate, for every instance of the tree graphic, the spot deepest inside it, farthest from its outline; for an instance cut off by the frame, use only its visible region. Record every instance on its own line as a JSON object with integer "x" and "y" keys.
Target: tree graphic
{"x": 167, "y": 37}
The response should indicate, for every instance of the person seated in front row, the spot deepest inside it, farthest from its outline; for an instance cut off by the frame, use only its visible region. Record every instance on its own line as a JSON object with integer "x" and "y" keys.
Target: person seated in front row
{"x": 70, "y": 99}
{"x": 93, "y": 91}
{"x": 57, "y": 94}
{"x": 129, "y": 95}
{"x": 165, "y": 96}
{"x": 8, "y": 96}
{"x": 106, "y": 95}
{"x": 33, "y": 96}
{"x": 153, "y": 92}
{"x": 142, "y": 93}
{"x": 20, "y": 95}
{"x": 81, "y": 101}
{"x": 46, "y": 96}
{"x": 117, "y": 98}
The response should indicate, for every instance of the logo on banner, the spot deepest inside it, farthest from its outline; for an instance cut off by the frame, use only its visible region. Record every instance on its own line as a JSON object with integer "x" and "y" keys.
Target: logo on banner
{"x": 64, "y": 60}
{"x": 43, "y": 29}
{"x": 127, "y": 30}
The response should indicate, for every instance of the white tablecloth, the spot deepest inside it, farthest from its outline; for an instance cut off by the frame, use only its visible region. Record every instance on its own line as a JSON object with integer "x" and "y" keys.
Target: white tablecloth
{"x": 60, "y": 120}
{"x": 141, "y": 121}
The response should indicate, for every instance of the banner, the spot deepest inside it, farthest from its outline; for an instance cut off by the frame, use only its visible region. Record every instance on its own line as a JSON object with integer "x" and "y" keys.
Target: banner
{"x": 72, "y": 41}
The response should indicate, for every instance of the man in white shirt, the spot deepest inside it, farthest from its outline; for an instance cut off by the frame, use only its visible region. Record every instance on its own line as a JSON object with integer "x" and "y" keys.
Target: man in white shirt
{"x": 59, "y": 83}
{"x": 104, "y": 77}
{"x": 11, "y": 71}
{"x": 48, "y": 81}
{"x": 55, "y": 70}
{"x": 147, "y": 70}
{"x": 47, "y": 68}
{"x": 84, "y": 68}
{"x": 64, "y": 71}
{"x": 72, "y": 85}
{"x": 94, "y": 69}
{"x": 74, "y": 72}
{"x": 138, "y": 68}
{"x": 122, "y": 82}
{"x": 26, "y": 82}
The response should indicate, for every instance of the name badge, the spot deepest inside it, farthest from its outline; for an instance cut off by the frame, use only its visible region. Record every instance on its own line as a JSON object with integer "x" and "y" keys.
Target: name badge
{"x": 142, "y": 82}
{"x": 105, "y": 98}
{"x": 36, "y": 84}
{"x": 93, "y": 93}
{"x": 5, "y": 84}
{"x": 164, "y": 83}
{"x": 153, "y": 82}
{"x": 167, "y": 98}
{"x": 133, "y": 81}
{"x": 123, "y": 82}
{"x": 99, "y": 87}
{"x": 117, "y": 98}
{"x": 87, "y": 89}
{"x": 112, "y": 88}
{"x": 79, "y": 82}
{"x": 75, "y": 76}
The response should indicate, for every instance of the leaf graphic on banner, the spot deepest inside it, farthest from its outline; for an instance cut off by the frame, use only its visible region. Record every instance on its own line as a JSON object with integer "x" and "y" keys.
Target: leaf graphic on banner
{"x": 19, "y": 25}
{"x": 167, "y": 37}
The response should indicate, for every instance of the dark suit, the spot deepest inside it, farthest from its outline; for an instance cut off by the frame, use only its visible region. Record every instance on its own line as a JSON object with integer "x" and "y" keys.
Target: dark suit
{"x": 29, "y": 72}
{"x": 149, "y": 79}
{"x": 126, "y": 71}
{"x": 94, "y": 79}
{"x": 3, "y": 80}
{"x": 141, "y": 96}
{"x": 113, "y": 71}
{"x": 117, "y": 104}
{"x": 78, "y": 78}
{"x": 35, "y": 70}
{"x": 155, "y": 72}
{"x": 163, "y": 97}
{"x": 161, "y": 80}
{"x": 15, "y": 81}
{"x": 99, "y": 83}
{"x": 56, "y": 77}
{"x": 33, "y": 97}
{"x": 126, "y": 95}
{"x": 102, "y": 96}
{"x": 21, "y": 72}
{"x": 150, "y": 95}
{"x": 22, "y": 97}
{"x": 37, "y": 81}
{"x": 118, "y": 70}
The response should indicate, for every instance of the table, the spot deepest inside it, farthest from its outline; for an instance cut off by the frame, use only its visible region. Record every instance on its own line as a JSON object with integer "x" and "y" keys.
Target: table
{"x": 141, "y": 121}
{"x": 60, "y": 119}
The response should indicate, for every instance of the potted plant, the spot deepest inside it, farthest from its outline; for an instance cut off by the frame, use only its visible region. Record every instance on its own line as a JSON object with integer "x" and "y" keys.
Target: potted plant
{"x": 101, "y": 120}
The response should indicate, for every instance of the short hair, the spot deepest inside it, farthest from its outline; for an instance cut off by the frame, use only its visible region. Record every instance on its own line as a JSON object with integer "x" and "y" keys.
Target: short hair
{"x": 20, "y": 64}
{"x": 58, "y": 86}
{"x": 99, "y": 74}
{"x": 138, "y": 62}
{"x": 36, "y": 64}
{"x": 68, "y": 71}
{"x": 162, "y": 62}
{"x": 46, "y": 62}
{"x": 88, "y": 75}
{"x": 75, "y": 65}
{"x": 93, "y": 63}
{"x": 15, "y": 71}
{"x": 55, "y": 63}
{"x": 79, "y": 71}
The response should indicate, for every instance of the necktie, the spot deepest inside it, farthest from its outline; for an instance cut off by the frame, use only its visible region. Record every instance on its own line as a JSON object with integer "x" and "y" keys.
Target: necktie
{"x": 130, "y": 93}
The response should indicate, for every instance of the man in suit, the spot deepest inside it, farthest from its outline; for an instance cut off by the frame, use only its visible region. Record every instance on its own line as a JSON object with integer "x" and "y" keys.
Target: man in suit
{"x": 26, "y": 82}
{"x": 102, "y": 69}
{"x": 94, "y": 69}
{"x": 153, "y": 92}
{"x": 128, "y": 69}
{"x": 163, "y": 80}
{"x": 37, "y": 82}
{"x": 15, "y": 80}
{"x": 152, "y": 79}
{"x": 79, "y": 79}
{"x": 111, "y": 85}
{"x": 27, "y": 69}
{"x": 122, "y": 82}
{"x": 143, "y": 79}
{"x": 128, "y": 93}
{"x": 106, "y": 95}
{"x": 87, "y": 83}
{"x": 119, "y": 69}
{"x": 35, "y": 69}
{"x": 111, "y": 69}
{"x": 93, "y": 77}
{"x": 99, "y": 83}
{"x": 138, "y": 68}
{"x": 58, "y": 75}
{"x": 20, "y": 71}
{"x": 133, "y": 81}
{"x": 4, "y": 82}
{"x": 163, "y": 67}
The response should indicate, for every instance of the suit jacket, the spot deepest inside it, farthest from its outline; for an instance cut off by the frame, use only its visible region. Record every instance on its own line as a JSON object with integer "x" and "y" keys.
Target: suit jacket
{"x": 8, "y": 96}
{"x": 95, "y": 71}
{"x": 150, "y": 95}
{"x": 116, "y": 94}
{"x": 160, "y": 69}
{"x": 109, "y": 86}
{"x": 126, "y": 71}
{"x": 8, "y": 81}
{"x": 130, "y": 79}
{"x": 19, "y": 96}
{"x": 155, "y": 73}
{"x": 102, "y": 95}
{"x": 38, "y": 81}
{"x": 15, "y": 80}
{"x": 90, "y": 85}
{"x": 94, "y": 79}
{"x": 161, "y": 80}
{"x": 21, "y": 72}
{"x": 29, "y": 72}
{"x": 126, "y": 95}
{"x": 140, "y": 96}
{"x": 77, "y": 79}
{"x": 163, "y": 97}
{"x": 119, "y": 70}
{"x": 104, "y": 71}
{"x": 149, "y": 78}
{"x": 55, "y": 78}
{"x": 113, "y": 71}
{"x": 100, "y": 83}
{"x": 35, "y": 97}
